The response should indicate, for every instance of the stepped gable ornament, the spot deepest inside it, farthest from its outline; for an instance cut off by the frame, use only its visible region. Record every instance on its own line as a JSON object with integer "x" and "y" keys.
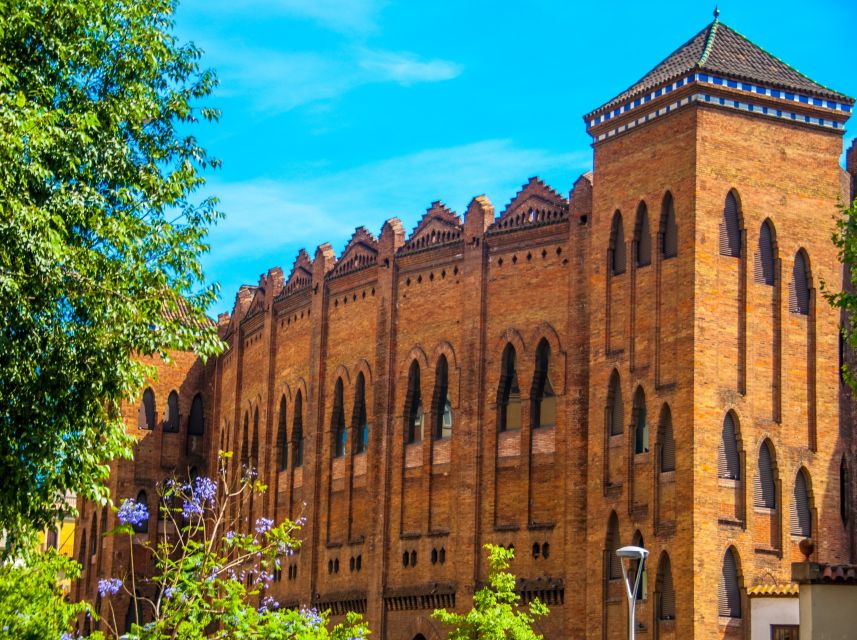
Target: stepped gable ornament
{"x": 243, "y": 300}
{"x": 438, "y": 226}
{"x": 301, "y": 276}
{"x": 536, "y": 204}
{"x": 361, "y": 252}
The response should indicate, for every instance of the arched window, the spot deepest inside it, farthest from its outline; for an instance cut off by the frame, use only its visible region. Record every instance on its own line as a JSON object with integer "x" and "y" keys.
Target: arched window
{"x": 282, "y": 436}
{"x": 764, "y": 490}
{"x": 171, "y": 420}
{"x": 361, "y": 421}
{"x": 643, "y": 591}
{"x": 196, "y": 422}
{"x": 801, "y": 511}
{"x": 340, "y": 433}
{"x": 642, "y": 237}
{"x": 799, "y": 288}
{"x": 730, "y": 228}
{"x": 728, "y": 460}
{"x": 763, "y": 269}
{"x": 442, "y": 405}
{"x": 81, "y": 551}
{"x": 641, "y": 422}
{"x": 103, "y": 520}
{"x": 669, "y": 229}
{"x": 93, "y": 538}
{"x": 729, "y": 593}
{"x": 667, "y": 440}
{"x": 613, "y": 565}
{"x": 414, "y": 417}
{"x": 52, "y": 539}
{"x": 133, "y": 614}
{"x": 509, "y": 393}
{"x": 298, "y": 432}
{"x": 254, "y": 451}
{"x": 245, "y": 441}
{"x": 617, "y": 245}
{"x": 143, "y": 499}
{"x": 666, "y": 592}
{"x": 543, "y": 397}
{"x": 615, "y": 408}
{"x": 844, "y": 491}
{"x": 147, "y": 410}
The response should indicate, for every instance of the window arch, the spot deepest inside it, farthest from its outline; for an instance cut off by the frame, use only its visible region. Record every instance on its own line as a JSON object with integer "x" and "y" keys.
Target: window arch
{"x": 414, "y": 416}
{"x": 765, "y": 488}
{"x": 764, "y": 267}
{"x": 143, "y": 499}
{"x": 641, "y": 422}
{"x": 245, "y": 441}
{"x": 196, "y": 421}
{"x": 669, "y": 229}
{"x": 340, "y": 433}
{"x": 728, "y": 459}
{"x": 442, "y": 404}
{"x": 254, "y": 451}
{"x": 361, "y": 421}
{"x": 801, "y": 511}
{"x": 612, "y": 564}
{"x": 509, "y": 393}
{"x": 81, "y": 551}
{"x": 643, "y": 591}
{"x": 282, "y": 436}
{"x": 147, "y": 410}
{"x": 617, "y": 245}
{"x": 730, "y": 228}
{"x": 729, "y": 593}
{"x": 543, "y": 401}
{"x": 844, "y": 491}
{"x": 171, "y": 420}
{"x": 615, "y": 408}
{"x": 298, "y": 431}
{"x": 93, "y": 537}
{"x": 666, "y": 460}
{"x": 799, "y": 289}
{"x": 642, "y": 238}
{"x": 665, "y": 604}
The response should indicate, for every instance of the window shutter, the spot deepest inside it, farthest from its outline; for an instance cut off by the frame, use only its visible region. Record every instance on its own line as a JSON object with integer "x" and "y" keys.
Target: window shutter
{"x": 763, "y": 268}
{"x": 667, "y": 446}
{"x": 618, "y": 265}
{"x": 617, "y": 413}
{"x": 670, "y": 230}
{"x": 730, "y": 232}
{"x": 729, "y": 595}
{"x": 799, "y": 287}
{"x": 667, "y": 592}
{"x": 728, "y": 461}
{"x": 613, "y": 560}
{"x": 801, "y": 515}
{"x": 764, "y": 490}
{"x": 644, "y": 240}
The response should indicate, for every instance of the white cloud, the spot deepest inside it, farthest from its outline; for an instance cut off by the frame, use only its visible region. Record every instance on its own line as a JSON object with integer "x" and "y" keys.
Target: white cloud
{"x": 405, "y": 68}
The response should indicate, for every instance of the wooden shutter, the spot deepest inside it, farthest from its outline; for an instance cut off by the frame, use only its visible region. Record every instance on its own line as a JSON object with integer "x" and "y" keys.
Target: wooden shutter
{"x": 799, "y": 287}
{"x": 670, "y": 232}
{"x": 729, "y": 595}
{"x": 763, "y": 268}
{"x": 764, "y": 490}
{"x": 613, "y": 563}
{"x": 667, "y": 609}
{"x": 618, "y": 234}
{"x": 728, "y": 461}
{"x": 617, "y": 412}
{"x": 730, "y": 231}
{"x": 801, "y": 515}
{"x": 667, "y": 445}
{"x": 644, "y": 239}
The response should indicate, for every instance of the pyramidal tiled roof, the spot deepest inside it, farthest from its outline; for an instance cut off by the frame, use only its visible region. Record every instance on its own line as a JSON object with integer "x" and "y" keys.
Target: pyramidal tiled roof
{"x": 720, "y": 49}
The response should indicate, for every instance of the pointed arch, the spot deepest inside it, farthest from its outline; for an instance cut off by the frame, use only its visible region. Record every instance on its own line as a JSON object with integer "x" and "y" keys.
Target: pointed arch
{"x": 196, "y": 420}
{"x": 800, "y": 516}
{"x": 245, "y": 440}
{"x": 615, "y": 406}
{"x": 509, "y": 392}
{"x": 665, "y": 600}
{"x": 616, "y": 250}
{"x": 844, "y": 491}
{"x": 666, "y": 438}
{"x": 765, "y": 488}
{"x": 641, "y": 422}
{"x": 282, "y": 436}
{"x": 668, "y": 232}
{"x": 171, "y": 420}
{"x": 254, "y": 451}
{"x": 643, "y": 591}
{"x": 93, "y": 535}
{"x": 337, "y": 421}
{"x": 612, "y": 565}
{"x": 731, "y": 226}
{"x": 542, "y": 396}
{"x": 642, "y": 237}
{"x": 728, "y": 458}
{"x": 442, "y": 409}
{"x": 298, "y": 429}
{"x": 729, "y": 592}
{"x": 801, "y": 285}
{"x": 764, "y": 266}
{"x": 414, "y": 414}
{"x": 147, "y": 409}
{"x": 359, "y": 415}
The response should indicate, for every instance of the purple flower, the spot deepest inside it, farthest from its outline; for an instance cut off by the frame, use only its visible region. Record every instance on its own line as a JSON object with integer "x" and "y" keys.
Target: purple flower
{"x": 191, "y": 508}
{"x": 230, "y": 536}
{"x": 133, "y": 513}
{"x": 263, "y": 525}
{"x": 169, "y": 592}
{"x": 268, "y": 603}
{"x": 205, "y": 490}
{"x": 311, "y": 616}
{"x": 109, "y": 587}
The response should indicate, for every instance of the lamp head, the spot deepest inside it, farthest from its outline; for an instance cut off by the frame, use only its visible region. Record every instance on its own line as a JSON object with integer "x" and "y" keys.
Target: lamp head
{"x": 634, "y": 553}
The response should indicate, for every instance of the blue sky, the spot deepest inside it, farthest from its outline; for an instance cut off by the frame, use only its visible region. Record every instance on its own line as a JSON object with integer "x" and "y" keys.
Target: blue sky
{"x": 339, "y": 113}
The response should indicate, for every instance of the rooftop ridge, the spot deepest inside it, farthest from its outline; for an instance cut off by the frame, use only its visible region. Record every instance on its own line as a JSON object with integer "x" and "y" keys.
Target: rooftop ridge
{"x": 709, "y": 41}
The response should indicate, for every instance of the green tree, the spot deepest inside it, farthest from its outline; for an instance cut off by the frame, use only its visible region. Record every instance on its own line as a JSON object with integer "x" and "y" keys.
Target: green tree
{"x": 496, "y": 614}
{"x": 100, "y": 235}
{"x": 845, "y": 239}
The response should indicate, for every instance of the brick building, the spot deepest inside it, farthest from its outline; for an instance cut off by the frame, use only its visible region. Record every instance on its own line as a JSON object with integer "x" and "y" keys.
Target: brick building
{"x": 647, "y": 361}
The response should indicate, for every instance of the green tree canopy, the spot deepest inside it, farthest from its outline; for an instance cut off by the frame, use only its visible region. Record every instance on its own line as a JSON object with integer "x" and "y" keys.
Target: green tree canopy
{"x": 100, "y": 234}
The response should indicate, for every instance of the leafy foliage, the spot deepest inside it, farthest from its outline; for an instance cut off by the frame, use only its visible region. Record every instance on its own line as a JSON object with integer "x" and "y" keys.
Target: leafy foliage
{"x": 100, "y": 237}
{"x": 845, "y": 239}
{"x": 496, "y": 614}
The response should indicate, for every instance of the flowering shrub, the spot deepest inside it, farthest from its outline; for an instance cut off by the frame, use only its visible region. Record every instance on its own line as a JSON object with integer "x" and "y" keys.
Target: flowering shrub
{"x": 213, "y": 571}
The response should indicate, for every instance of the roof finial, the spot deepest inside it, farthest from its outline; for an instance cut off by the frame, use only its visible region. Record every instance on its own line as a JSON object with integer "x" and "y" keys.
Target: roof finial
{"x": 716, "y": 12}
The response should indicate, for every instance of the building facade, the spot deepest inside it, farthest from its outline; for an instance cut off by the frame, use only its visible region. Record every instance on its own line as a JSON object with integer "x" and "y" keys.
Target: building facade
{"x": 647, "y": 361}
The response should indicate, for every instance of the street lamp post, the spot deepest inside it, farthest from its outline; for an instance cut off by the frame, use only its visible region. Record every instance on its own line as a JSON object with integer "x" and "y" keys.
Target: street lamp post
{"x": 631, "y": 554}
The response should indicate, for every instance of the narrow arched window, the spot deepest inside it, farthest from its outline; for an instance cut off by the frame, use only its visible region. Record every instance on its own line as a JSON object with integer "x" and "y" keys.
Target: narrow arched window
{"x": 643, "y": 238}
{"x": 615, "y": 407}
{"x": 613, "y": 565}
{"x": 282, "y": 436}
{"x": 81, "y": 552}
{"x": 641, "y": 422}
{"x": 298, "y": 432}
{"x": 729, "y": 593}
{"x": 340, "y": 433}
{"x": 764, "y": 490}
{"x": 361, "y": 421}
{"x": 667, "y": 440}
{"x": 245, "y": 441}
{"x": 147, "y": 410}
{"x": 730, "y": 228}
{"x": 52, "y": 539}
{"x": 443, "y": 407}
{"x": 801, "y": 511}
{"x": 103, "y": 520}
{"x": 509, "y": 393}
{"x": 414, "y": 416}
{"x": 666, "y": 592}
{"x": 643, "y": 591}
{"x": 669, "y": 229}
{"x": 196, "y": 421}
{"x": 171, "y": 420}
{"x": 799, "y": 288}
{"x": 142, "y": 527}
{"x": 543, "y": 396}
{"x": 93, "y": 538}
{"x": 254, "y": 451}
{"x": 728, "y": 460}
{"x": 617, "y": 245}
{"x": 844, "y": 491}
{"x": 763, "y": 268}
